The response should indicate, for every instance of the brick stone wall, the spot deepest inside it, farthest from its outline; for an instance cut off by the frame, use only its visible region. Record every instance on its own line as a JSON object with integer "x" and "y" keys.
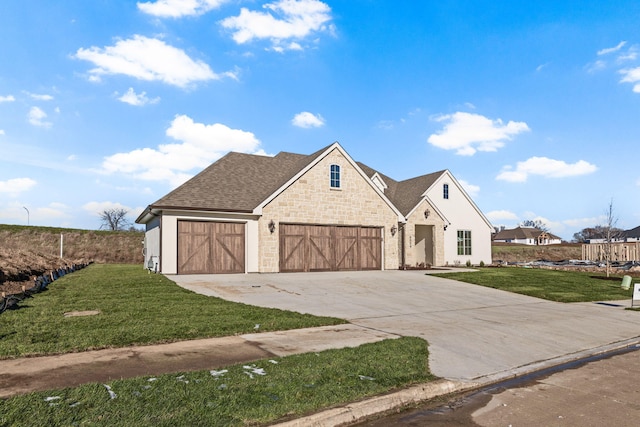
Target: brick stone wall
{"x": 310, "y": 200}
{"x": 417, "y": 218}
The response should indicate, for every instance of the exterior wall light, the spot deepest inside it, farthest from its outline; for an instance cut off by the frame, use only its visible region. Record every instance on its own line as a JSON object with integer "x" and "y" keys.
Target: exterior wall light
{"x": 272, "y": 226}
{"x": 427, "y": 212}
{"x": 394, "y": 230}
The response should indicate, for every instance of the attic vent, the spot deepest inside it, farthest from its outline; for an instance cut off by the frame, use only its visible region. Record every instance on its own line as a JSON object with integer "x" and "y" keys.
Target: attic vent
{"x": 377, "y": 180}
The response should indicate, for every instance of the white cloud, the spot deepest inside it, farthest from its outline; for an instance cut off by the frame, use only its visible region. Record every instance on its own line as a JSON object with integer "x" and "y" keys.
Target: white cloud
{"x": 631, "y": 75}
{"x": 132, "y": 98}
{"x": 179, "y": 8}
{"x": 16, "y": 185}
{"x": 7, "y": 98}
{"x": 596, "y": 66}
{"x": 148, "y": 59}
{"x": 542, "y": 66}
{"x": 15, "y": 212}
{"x": 296, "y": 19}
{"x": 37, "y": 117}
{"x": 199, "y": 145}
{"x": 96, "y": 208}
{"x": 581, "y": 223}
{"x": 53, "y": 210}
{"x": 467, "y": 133}
{"x": 546, "y": 167}
{"x": 472, "y": 190}
{"x": 630, "y": 55}
{"x": 501, "y": 215}
{"x": 1, "y": 131}
{"x": 308, "y": 120}
{"x": 612, "y": 49}
{"x": 40, "y": 97}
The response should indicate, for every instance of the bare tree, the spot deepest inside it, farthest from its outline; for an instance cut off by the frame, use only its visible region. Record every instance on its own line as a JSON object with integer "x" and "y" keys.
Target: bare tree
{"x": 114, "y": 219}
{"x": 599, "y": 232}
{"x": 610, "y": 234}
{"x": 537, "y": 224}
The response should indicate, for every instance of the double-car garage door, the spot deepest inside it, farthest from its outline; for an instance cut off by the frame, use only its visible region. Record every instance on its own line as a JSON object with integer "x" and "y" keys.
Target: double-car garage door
{"x": 206, "y": 247}
{"x": 305, "y": 247}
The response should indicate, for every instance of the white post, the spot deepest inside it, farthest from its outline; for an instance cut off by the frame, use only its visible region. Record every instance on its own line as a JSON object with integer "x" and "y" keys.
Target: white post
{"x": 61, "y": 243}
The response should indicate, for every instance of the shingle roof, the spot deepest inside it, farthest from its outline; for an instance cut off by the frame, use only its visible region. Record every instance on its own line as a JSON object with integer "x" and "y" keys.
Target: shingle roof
{"x": 240, "y": 182}
{"x": 236, "y": 182}
{"x": 633, "y": 233}
{"x": 405, "y": 195}
{"x": 521, "y": 233}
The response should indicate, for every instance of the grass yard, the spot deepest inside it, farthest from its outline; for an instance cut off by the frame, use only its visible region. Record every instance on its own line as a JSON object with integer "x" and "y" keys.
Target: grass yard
{"x": 240, "y": 395}
{"x": 140, "y": 308}
{"x": 553, "y": 285}
{"x": 135, "y": 308}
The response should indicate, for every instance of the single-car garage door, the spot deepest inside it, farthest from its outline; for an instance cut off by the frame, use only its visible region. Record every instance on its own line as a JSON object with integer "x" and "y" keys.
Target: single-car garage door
{"x": 305, "y": 247}
{"x": 210, "y": 247}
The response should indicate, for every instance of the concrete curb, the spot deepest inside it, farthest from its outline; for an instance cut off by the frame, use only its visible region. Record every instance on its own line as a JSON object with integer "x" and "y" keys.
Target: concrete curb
{"x": 353, "y": 412}
{"x": 549, "y": 363}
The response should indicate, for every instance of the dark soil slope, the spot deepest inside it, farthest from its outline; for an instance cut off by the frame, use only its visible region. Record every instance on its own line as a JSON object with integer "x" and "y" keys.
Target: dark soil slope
{"x": 31, "y": 251}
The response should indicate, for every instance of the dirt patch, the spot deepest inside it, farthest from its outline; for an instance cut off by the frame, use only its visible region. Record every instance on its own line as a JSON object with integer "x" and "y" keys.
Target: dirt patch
{"x": 511, "y": 252}
{"x": 28, "y": 252}
{"x": 81, "y": 313}
{"x": 19, "y": 268}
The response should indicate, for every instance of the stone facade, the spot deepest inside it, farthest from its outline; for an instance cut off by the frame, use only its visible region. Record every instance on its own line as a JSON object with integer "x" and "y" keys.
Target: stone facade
{"x": 424, "y": 248}
{"x": 311, "y": 200}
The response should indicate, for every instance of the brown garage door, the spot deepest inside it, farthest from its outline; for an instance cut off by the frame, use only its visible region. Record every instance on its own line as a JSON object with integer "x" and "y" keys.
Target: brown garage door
{"x": 210, "y": 247}
{"x": 306, "y": 247}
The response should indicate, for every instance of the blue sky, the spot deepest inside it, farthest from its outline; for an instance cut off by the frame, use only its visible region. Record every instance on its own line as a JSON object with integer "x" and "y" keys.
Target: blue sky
{"x": 114, "y": 103}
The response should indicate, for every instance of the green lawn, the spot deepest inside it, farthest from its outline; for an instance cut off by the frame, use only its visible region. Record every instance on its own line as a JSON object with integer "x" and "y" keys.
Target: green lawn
{"x": 553, "y": 285}
{"x": 140, "y": 308}
{"x": 252, "y": 394}
{"x": 135, "y": 308}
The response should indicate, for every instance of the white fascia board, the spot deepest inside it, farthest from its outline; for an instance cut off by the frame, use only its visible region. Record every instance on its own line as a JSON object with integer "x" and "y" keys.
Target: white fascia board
{"x": 334, "y": 146}
{"x": 464, "y": 193}
{"x": 209, "y": 215}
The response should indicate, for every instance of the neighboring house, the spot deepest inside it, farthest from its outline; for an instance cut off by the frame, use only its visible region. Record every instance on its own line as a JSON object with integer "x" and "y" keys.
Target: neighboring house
{"x": 526, "y": 236}
{"x": 318, "y": 212}
{"x": 632, "y": 235}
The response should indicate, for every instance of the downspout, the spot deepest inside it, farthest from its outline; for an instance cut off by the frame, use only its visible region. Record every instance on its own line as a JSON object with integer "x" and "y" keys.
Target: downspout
{"x": 402, "y": 241}
{"x": 161, "y": 243}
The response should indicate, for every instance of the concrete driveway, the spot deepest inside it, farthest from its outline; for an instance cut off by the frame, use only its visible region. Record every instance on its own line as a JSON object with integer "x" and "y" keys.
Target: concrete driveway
{"x": 475, "y": 333}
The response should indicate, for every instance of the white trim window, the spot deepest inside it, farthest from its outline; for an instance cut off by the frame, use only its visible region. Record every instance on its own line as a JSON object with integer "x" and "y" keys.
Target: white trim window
{"x": 464, "y": 242}
{"x": 335, "y": 176}
{"x": 445, "y": 191}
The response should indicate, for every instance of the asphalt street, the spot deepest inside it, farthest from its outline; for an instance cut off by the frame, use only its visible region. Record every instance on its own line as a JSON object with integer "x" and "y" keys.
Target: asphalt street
{"x": 600, "y": 391}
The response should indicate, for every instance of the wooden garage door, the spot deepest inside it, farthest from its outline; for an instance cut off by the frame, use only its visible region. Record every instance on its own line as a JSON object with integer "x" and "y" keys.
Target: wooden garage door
{"x": 306, "y": 247}
{"x": 210, "y": 247}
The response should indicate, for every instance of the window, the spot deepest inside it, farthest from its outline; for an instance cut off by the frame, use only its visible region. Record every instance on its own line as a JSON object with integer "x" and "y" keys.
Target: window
{"x": 335, "y": 176}
{"x": 464, "y": 242}
{"x": 445, "y": 191}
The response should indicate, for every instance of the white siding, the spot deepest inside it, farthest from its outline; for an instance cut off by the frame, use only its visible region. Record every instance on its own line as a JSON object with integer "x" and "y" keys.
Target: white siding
{"x": 461, "y": 214}
{"x": 152, "y": 244}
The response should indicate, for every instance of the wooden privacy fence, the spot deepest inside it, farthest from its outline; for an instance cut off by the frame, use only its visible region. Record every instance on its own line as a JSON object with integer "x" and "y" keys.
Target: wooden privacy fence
{"x": 622, "y": 252}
